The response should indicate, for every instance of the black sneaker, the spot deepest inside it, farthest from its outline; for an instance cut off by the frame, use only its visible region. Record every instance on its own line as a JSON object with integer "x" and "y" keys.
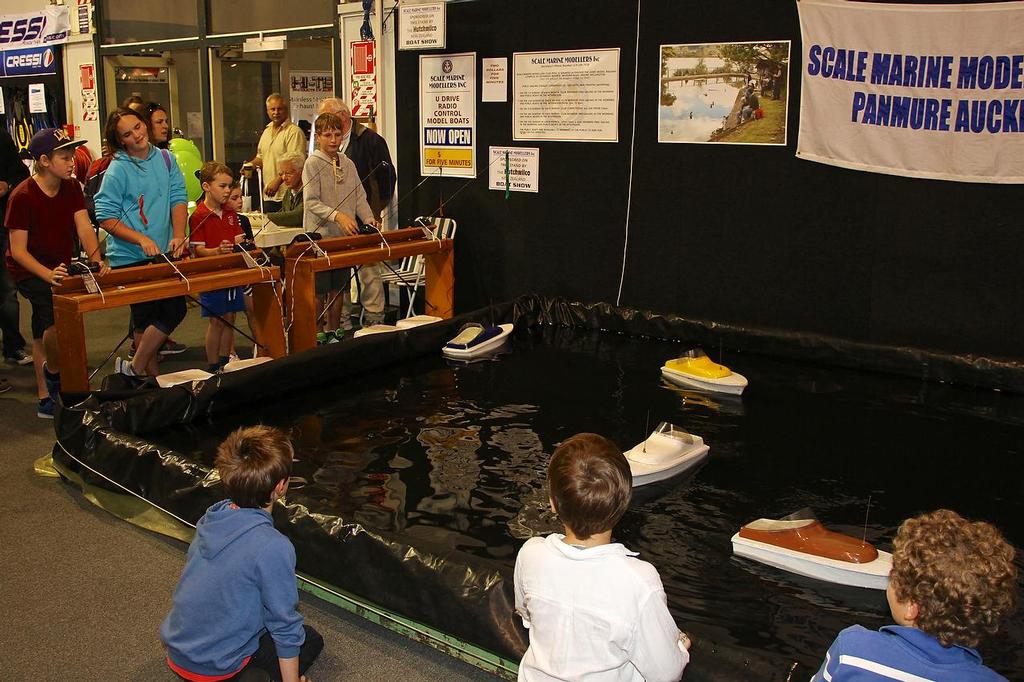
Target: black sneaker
{"x": 20, "y": 357}
{"x": 46, "y": 408}
{"x": 172, "y": 347}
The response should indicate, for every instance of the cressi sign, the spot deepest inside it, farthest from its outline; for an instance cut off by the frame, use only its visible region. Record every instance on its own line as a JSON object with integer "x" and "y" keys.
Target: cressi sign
{"x": 44, "y": 27}
{"x": 36, "y": 61}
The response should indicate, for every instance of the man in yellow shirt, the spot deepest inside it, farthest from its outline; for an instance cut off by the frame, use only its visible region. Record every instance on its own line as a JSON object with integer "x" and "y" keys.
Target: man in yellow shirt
{"x": 280, "y": 137}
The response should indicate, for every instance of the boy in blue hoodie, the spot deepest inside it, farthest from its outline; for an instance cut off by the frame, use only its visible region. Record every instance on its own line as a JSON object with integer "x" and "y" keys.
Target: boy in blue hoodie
{"x": 953, "y": 583}
{"x": 234, "y": 608}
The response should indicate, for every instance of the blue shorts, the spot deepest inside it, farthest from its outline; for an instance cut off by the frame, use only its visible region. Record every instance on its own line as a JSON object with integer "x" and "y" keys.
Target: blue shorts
{"x": 222, "y": 301}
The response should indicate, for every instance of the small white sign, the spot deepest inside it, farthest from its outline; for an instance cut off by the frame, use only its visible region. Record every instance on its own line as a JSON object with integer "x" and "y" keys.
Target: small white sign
{"x": 522, "y": 169}
{"x": 494, "y": 73}
{"x": 36, "y": 98}
{"x": 305, "y": 90}
{"x": 2, "y": 111}
{"x": 421, "y": 26}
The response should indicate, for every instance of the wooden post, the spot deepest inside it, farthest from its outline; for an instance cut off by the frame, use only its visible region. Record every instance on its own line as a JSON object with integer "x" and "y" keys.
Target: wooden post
{"x": 439, "y": 298}
{"x": 267, "y": 326}
{"x": 74, "y": 371}
{"x": 301, "y": 306}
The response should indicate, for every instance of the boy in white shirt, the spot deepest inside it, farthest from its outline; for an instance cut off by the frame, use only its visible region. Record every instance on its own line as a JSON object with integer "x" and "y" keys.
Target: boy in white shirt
{"x": 594, "y": 611}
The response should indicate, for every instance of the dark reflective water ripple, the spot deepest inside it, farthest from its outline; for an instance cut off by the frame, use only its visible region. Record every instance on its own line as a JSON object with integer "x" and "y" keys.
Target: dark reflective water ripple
{"x": 457, "y": 455}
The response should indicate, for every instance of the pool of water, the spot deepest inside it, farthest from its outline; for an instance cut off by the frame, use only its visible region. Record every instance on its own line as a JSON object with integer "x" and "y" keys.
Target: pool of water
{"x": 456, "y": 454}
{"x": 697, "y": 110}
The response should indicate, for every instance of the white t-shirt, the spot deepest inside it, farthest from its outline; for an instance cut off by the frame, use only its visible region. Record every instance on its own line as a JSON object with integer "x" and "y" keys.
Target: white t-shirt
{"x": 597, "y": 613}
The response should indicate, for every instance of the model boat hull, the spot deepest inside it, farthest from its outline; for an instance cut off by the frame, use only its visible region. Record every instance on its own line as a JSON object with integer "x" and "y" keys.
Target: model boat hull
{"x": 732, "y": 384}
{"x": 416, "y": 321}
{"x": 659, "y": 458}
{"x": 685, "y": 465}
{"x": 491, "y": 344}
{"x": 873, "y": 575}
{"x": 374, "y": 329}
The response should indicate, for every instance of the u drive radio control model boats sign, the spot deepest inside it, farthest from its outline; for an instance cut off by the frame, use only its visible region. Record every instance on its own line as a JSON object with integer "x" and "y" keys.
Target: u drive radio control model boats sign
{"x": 696, "y": 370}
{"x": 667, "y": 452}
{"x": 474, "y": 340}
{"x": 800, "y": 544}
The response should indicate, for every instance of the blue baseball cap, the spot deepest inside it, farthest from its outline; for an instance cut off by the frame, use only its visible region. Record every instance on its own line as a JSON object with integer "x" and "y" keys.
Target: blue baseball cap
{"x": 49, "y": 140}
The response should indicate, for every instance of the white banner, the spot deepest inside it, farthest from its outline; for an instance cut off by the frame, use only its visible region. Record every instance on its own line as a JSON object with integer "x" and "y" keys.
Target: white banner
{"x": 928, "y": 91}
{"x": 47, "y": 26}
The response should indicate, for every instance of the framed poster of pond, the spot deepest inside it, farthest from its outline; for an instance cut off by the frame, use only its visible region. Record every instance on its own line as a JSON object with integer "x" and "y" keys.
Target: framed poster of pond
{"x": 732, "y": 93}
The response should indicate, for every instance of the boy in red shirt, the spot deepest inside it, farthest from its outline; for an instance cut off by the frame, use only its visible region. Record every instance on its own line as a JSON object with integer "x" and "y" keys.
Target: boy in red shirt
{"x": 215, "y": 226}
{"x": 44, "y": 213}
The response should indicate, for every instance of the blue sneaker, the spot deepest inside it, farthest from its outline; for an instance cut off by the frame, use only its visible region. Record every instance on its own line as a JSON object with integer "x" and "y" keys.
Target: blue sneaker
{"x": 46, "y": 408}
{"x": 52, "y": 382}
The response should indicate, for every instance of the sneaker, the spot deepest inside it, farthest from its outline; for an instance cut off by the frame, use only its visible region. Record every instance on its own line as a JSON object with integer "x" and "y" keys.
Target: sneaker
{"x": 172, "y": 347}
{"x": 321, "y": 338}
{"x": 131, "y": 351}
{"x": 52, "y": 385}
{"x": 5, "y": 385}
{"x": 124, "y": 367}
{"x": 46, "y": 408}
{"x": 335, "y": 337}
{"x": 20, "y": 357}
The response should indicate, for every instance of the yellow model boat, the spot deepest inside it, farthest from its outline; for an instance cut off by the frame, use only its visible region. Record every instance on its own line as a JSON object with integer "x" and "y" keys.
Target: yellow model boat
{"x": 696, "y": 370}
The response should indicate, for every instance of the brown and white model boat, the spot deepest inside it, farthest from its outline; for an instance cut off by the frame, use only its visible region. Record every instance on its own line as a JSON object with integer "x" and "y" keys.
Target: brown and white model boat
{"x": 800, "y": 544}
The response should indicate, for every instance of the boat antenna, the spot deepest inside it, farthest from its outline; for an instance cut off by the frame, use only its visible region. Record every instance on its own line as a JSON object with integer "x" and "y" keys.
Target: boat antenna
{"x": 867, "y": 511}
{"x": 647, "y": 431}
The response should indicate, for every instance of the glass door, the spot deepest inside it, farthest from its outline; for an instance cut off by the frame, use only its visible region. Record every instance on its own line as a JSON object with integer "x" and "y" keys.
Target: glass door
{"x": 241, "y": 82}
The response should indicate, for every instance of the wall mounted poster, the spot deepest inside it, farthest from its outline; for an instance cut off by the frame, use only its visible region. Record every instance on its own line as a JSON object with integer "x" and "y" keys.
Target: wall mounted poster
{"x": 927, "y": 91}
{"x": 735, "y": 93}
{"x": 522, "y": 170}
{"x": 566, "y": 96}
{"x": 448, "y": 115}
{"x": 421, "y": 26}
{"x": 305, "y": 91}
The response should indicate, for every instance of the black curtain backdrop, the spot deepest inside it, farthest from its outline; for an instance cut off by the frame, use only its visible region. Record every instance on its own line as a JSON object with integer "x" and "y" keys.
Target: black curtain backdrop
{"x": 746, "y": 235}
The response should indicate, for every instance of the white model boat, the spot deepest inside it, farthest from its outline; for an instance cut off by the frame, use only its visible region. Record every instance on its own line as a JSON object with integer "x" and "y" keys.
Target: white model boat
{"x": 183, "y": 377}
{"x": 696, "y": 370}
{"x": 668, "y": 451}
{"x": 416, "y": 321}
{"x": 474, "y": 340}
{"x": 236, "y": 365}
{"x": 800, "y": 544}
{"x": 374, "y": 329}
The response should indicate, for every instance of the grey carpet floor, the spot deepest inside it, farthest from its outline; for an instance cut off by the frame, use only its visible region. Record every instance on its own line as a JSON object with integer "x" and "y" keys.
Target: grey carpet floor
{"x": 83, "y": 593}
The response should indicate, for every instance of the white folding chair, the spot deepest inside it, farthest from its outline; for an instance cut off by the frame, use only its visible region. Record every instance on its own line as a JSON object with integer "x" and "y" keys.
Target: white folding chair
{"x": 411, "y": 271}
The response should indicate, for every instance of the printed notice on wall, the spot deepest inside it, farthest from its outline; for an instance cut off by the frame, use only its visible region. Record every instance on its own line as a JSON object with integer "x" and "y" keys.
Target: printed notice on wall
{"x": 568, "y": 96}
{"x": 36, "y": 98}
{"x": 421, "y": 26}
{"x": 448, "y": 115}
{"x": 305, "y": 90}
{"x": 519, "y": 173}
{"x": 494, "y": 79}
